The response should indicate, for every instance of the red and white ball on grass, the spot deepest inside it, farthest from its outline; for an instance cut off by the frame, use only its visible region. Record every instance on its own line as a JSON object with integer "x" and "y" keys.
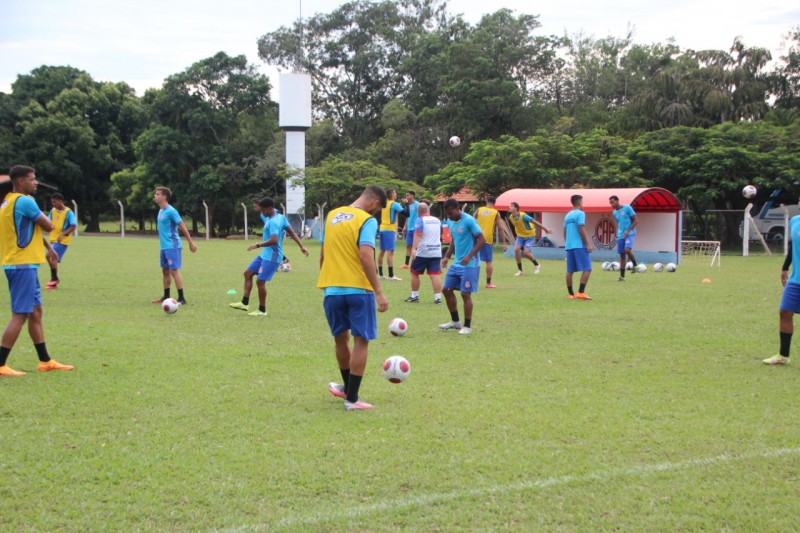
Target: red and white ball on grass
{"x": 170, "y": 305}
{"x": 398, "y": 327}
{"x": 396, "y": 369}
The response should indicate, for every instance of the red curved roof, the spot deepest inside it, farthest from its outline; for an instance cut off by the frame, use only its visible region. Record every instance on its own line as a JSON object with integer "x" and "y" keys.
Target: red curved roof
{"x": 653, "y": 199}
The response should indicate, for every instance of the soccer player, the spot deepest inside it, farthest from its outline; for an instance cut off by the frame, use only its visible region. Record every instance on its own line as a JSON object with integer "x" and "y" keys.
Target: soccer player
{"x": 468, "y": 240}
{"x": 526, "y": 234}
{"x": 488, "y": 218}
{"x": 578, "y": 247}
{"x": 21, "y": 227}
{"x": 351, "y": 287}
{"x": 64, "y": 224}
{"x": 271, "y": 251}
{"x": 626, "y": 233}
{"x": 790, "y": 302}
{"x": 410, "y": 210}
{"x": 388, "y": 237}
{"x": 252, "y": 269}
{"x": 170, "y": 228}
{"x": 426, "y": 253}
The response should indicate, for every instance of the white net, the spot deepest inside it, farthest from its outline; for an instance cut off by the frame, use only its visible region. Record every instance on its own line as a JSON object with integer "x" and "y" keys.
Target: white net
{"x": 701, "y": 253}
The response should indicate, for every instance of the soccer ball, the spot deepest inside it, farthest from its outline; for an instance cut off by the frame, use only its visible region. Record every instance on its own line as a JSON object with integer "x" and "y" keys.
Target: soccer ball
{"x": 396, "y": 369}
{"x": 749, "y": 191}
{"x": 286, "y": 267}
{"x": 641, "y": 267}
{"x": 658, "y": 267}
{"x": 455, "y": 140}
{"x": 607, "y": 265}
{"x": 170, "y": 305}
{"x": 671, "y": 267}
{"x": 614, "y": 266}
{"x": 629, "y": 266}
{"x": 398, "y": 327}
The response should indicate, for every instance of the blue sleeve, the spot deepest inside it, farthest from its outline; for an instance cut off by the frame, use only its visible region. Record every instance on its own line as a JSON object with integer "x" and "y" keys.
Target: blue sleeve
{"x": 474, "y": 228}
{"x": 273, "y": 228}
{"x": 174, "y": 216}
{"x": 397, "y": 207}
{"x": 368, "y": 232}
{"x": 70, "y": 220}
{"x": 629, "y": 210}
{"x": 527, "y": 218}
{"x": 419, "y": 226}
{"x": 581, "y": 219}
{"x": 26, "y": 207}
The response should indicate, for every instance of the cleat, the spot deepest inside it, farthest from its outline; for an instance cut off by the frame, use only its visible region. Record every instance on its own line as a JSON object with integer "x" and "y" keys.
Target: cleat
{"x": 257, "y": 313}
{"x": 8, "y": 372}
{"x": 337, "y": 389}
{"x": 182, "y": 301}
{"x": 776, "y": 360}
{"x": 491, "y": 286}
{"x": 519, "y": 273}
{"x": 450, "y": 325}
{"x": 240, "y": 306}
{"x": 571, "y": 297}
{"x": 438, "y": 302}
{"x": 53, "y": 284}
{"x": 357, "y": 406}
{"x": 465, "y": 331}
{"x": 621, "y": 278}
{"x": 52, "y": 364}
{"x": 381, "y": 277}
{"x": 157, "y": 301}
{"x": 405, "y": 267}
{"x": 582, "y": 296}
{"x": 394, "y": 278}
{"x": 412, "y": 300}
{"x": 537, "y": 269}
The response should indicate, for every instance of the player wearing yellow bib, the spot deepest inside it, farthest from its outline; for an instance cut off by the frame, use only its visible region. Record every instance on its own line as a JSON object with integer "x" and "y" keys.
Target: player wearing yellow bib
{"x": 21, "y": 239}
{"x": 350, "y": 283}
{"x": 64, "y": 224}
{"x": 488, "y": 218}
{"x": 524, "y": 226}
{"x": 388, "y": 235}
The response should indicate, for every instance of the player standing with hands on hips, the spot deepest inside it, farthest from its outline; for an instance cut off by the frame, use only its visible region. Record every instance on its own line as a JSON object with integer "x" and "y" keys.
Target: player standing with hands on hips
{"x": 578, "y": 247}
{"x": 23, "y": 250}
{"x": 790, "y": 302}
{"x": 351, "y": 287}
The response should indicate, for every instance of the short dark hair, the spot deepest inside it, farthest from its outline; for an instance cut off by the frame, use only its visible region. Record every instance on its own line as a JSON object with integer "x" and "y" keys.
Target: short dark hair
{"x": 515, "y": 204}
{"x": 451, "y": 203}
{"x": 491, "y": 199}
{"x": 57, "y": 196}
{"x": 575, "y": 198}
{"x": 20, "y": 171}
{"x": 165, "y": 191}
{"x": 389, "y": 192}
{"x": 412, "y": 193}
{"x": 266, "y": 202}
{"x": 614, "y": 197}
{"x": 377, "y": 192}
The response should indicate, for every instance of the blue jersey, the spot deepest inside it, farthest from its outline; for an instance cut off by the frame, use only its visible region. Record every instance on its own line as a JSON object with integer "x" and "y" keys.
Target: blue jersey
{"x": 794, "y": 228}
{"x": 572, "y": 223}
{"x": 276, "y": 225}
{"x": 168, "y": 220}
{"x": 412, "y": 216}
{"x": 465, "y": 233}
{"x": 624, "y": 216}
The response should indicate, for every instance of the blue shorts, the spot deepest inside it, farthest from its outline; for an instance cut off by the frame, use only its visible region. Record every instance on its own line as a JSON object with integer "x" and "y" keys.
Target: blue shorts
{"x": 267, "y": 270}
{"x": 387, "y": 241}
{"x": 486, "y": 253}
{"x": 433, "y": 265}
{"x": 23, "y": 284}
{"x": 60, "y": 249}
{"x": 579, "y": 260}
{"x": 525, "y": 242}
{"x": 171, "y": 258}
{"x": 791, "y": 297}
{"x": 354, "y": 312}
{"x": 626, "y": 243}
{"x": 255, "y": 264}
{"x": 410, "y": 237}
{"x": 464, "y": 279}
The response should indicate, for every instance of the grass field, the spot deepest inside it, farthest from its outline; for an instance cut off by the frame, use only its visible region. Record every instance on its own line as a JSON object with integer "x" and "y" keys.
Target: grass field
{"x": 647, "y": 409}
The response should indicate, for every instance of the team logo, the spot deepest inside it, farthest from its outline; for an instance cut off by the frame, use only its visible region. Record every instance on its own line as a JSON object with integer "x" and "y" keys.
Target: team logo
{"x": 342, "y": 217}
{"x": 605, "y": 234}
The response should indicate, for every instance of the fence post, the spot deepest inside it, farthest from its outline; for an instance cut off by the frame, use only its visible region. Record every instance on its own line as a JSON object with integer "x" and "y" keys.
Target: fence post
{"x": 246, "y": 229}
{"x": 121, "y": 219}
{"x": 75, "y": 209}
{"x": 208, "y": 230}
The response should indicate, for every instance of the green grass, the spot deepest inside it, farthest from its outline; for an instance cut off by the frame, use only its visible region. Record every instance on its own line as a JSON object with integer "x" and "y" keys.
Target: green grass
{"x": 645, "y": 409}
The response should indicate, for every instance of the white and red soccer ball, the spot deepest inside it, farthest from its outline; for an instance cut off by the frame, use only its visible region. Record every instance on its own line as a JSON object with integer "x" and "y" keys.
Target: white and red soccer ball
{"x": 454, "y": 141}
{"x": 170, "y": 305}
{"x": 396, "y": 369}
{"x": 398, "y": 327}
{"x": 749, "y": 191}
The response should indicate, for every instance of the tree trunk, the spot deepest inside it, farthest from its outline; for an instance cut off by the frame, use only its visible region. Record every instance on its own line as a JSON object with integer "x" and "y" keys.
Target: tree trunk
{"x": 94, "y": 222}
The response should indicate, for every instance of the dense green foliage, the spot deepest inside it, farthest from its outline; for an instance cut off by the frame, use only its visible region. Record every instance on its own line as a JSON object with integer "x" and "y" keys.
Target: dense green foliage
{"x": 393, "y": 80}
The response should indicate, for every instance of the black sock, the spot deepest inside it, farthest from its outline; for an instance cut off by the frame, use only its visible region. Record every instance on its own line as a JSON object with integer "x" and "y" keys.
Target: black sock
{"x": 622, "y": 273}
{"x": 345, "y": 377}
{"x": 4, "y": 352}
{"x": 391, "y": 272}
{"x": 634, "y": 263}
{"x": 786, "y": 342}
{"x": 245, "y": 300}
{"x": 535, "y": 263}
{"x": 467, "y": 322}
{"x": 53, "y": 274}
{"x": 262, "y": 308}
{"x": 180, "y": 294}
{"x": 41, "y": 351}
{"x": 454, "y": 316}
{"x": 569, "y": 288}
{"x": 408, "y": 257}
{"x": 166, "y": 294}
{"x": 286, "y": 259}
{"x": 488, "y": 281}
{"x": 353, "y": 384}
{"x": 380, "y": 271}
{"x": 582, "y": 287}
{"x": 519, "y": 267}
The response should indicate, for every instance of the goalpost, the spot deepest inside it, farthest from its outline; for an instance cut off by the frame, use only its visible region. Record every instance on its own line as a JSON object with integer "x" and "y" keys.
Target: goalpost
{"x": 704, "y": 253}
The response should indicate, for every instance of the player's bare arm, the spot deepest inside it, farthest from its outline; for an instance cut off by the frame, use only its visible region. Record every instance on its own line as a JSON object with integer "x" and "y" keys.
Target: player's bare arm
{"x": 185, "y": 232}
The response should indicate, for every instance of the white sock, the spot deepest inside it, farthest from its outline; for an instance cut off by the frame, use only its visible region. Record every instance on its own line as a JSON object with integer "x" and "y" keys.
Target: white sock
{"x": 415, "y": 294}
{"x": 437, "y": 296}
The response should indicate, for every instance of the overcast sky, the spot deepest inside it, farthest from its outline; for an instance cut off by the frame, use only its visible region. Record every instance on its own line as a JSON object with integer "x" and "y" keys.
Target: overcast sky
{"x": 142, "y": 42}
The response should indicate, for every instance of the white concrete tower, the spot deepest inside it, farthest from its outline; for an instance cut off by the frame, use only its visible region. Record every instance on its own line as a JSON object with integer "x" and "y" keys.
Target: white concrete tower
{"x": 295, "y": 119}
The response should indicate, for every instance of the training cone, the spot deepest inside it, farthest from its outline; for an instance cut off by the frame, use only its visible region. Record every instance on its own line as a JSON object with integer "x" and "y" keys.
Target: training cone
{"x": 706, "y": 280}
{"x": 231, "y": 292}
